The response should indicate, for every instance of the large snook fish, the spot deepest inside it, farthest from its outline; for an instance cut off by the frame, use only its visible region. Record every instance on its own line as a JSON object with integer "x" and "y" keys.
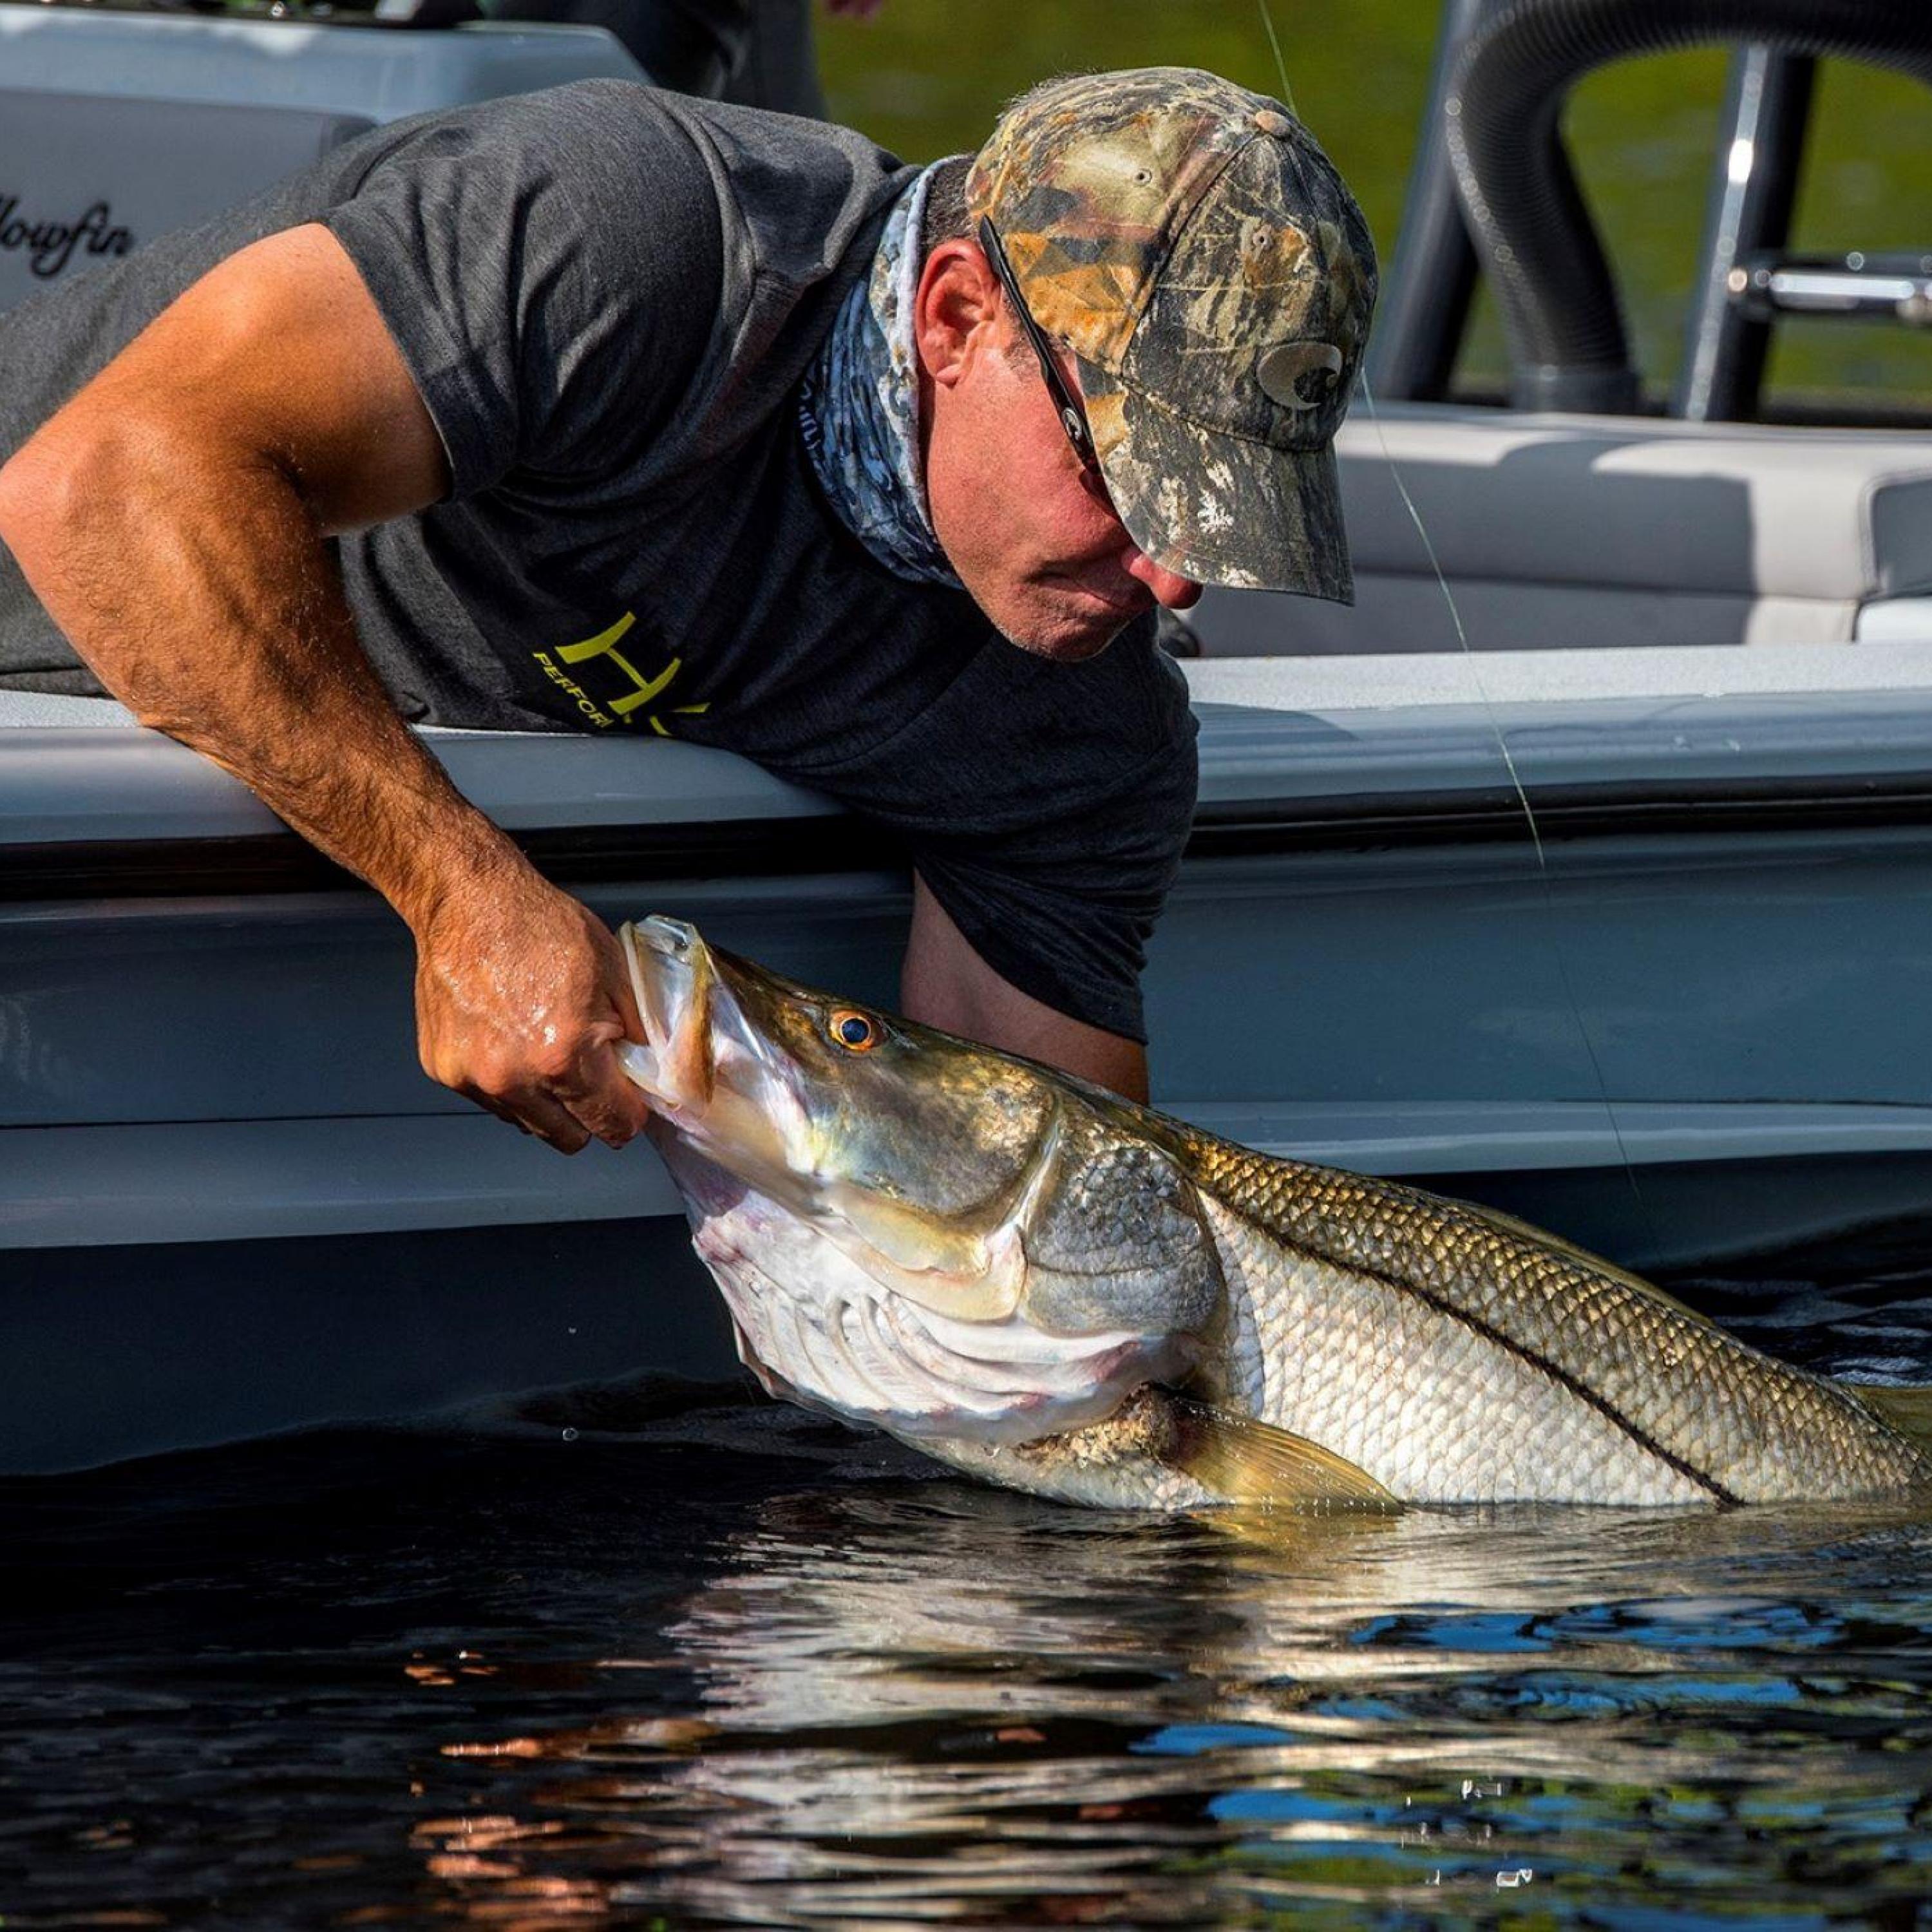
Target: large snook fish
{"x": 1035, "y": 1281}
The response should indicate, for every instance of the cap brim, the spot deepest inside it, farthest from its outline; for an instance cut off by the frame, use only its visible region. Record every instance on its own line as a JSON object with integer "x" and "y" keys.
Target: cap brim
{"x": 1221, "y": 509}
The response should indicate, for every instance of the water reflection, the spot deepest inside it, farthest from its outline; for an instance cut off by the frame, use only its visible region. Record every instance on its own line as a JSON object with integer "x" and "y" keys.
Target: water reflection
{"x": 736, "y": 1666}
{"x": 920, "y": 1703}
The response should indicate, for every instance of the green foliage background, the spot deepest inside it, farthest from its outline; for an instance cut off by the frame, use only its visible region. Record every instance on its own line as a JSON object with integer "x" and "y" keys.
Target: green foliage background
{"x": 926, "y": 77}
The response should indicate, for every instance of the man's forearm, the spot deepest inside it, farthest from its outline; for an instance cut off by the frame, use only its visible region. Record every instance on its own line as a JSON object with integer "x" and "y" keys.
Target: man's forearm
{"x": 173, "y": 518}
{"x": 213, "y": 610}
{"x": 947, "y": 984}
{"x": 198, "y": 588}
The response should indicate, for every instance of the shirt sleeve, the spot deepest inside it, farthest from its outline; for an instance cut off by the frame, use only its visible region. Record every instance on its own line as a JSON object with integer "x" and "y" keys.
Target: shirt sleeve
{"x": 549, "y": 267}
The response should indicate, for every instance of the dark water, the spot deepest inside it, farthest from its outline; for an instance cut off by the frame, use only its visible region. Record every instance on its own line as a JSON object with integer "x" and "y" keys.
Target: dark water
{"x": 728, "y": 1665}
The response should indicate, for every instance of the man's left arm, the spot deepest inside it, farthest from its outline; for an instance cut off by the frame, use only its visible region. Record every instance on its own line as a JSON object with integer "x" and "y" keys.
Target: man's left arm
{"x": 947, "y": 984}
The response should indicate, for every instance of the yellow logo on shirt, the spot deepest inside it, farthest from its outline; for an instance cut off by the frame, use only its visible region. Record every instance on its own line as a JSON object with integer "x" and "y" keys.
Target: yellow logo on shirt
{"x": 636, "y": 695}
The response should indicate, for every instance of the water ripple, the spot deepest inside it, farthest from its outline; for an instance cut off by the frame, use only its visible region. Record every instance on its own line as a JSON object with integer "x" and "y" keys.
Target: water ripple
{"x": 737, "y": 1667}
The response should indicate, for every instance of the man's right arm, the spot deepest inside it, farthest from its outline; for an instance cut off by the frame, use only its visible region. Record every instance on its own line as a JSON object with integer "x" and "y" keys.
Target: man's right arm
{"x": 171, "y": 518}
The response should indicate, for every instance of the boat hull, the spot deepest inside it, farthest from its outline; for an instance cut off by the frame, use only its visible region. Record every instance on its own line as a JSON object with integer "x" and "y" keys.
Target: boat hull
{"x": 1691, "y": 1029}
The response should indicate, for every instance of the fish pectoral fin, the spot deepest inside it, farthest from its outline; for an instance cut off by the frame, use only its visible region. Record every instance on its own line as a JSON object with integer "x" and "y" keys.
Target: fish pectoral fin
{"x": 1244, "y": 1461}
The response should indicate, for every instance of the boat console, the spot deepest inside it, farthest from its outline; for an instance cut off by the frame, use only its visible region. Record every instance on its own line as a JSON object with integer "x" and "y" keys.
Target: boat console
{"x": 1576, "y": 518}
{"x": 1564, "y": 532}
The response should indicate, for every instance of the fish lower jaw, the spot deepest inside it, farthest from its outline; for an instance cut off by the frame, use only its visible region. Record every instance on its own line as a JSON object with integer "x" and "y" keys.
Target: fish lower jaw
{"x": 648, "y": 1069}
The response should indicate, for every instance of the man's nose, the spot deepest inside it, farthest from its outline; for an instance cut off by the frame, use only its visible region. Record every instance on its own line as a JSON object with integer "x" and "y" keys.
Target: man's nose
{"x": 1176, "y": 592}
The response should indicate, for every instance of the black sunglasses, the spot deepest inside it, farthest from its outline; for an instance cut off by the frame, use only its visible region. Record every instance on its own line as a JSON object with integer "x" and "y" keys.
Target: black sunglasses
{"x": 1072, "y": 417}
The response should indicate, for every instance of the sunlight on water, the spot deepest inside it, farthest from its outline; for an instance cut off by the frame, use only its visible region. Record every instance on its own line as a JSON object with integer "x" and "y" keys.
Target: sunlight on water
{"x": 927, "y": 1706}
{"x": 740, "y": 1667}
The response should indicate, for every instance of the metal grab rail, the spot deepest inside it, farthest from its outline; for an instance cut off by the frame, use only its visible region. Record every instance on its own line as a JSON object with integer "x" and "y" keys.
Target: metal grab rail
{"x": 1760, "y": 135}
{"x": 1539, "y": 246}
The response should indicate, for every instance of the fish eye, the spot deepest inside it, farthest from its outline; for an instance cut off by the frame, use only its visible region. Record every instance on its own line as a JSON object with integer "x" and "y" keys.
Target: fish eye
{"x": 853, "y": 1031}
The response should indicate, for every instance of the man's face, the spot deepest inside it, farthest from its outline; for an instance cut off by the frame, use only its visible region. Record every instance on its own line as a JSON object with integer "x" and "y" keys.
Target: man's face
{"x": 1028, "y": 529}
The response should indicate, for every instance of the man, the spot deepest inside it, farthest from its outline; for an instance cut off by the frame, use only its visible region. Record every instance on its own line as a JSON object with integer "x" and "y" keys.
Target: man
{"x": 606, "y": 409}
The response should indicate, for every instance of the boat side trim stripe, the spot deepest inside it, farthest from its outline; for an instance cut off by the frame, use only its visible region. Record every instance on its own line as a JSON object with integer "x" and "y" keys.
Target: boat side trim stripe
{"x": 839, "y": 842}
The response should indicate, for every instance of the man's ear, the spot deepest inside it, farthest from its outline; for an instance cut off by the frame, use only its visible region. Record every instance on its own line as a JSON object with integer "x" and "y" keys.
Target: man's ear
{"x": 956, "y": 310}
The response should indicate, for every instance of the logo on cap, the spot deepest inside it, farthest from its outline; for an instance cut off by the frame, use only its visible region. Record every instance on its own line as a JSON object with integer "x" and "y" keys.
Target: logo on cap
{"x": 1299, "y": 375}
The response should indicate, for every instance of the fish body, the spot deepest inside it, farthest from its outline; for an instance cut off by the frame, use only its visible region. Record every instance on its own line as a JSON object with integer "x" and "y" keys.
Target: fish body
{"x": 1041, "y": 1283}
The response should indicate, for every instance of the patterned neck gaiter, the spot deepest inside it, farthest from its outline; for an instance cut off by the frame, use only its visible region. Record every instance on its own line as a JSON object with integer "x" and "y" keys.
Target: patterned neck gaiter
{"x": 858, "y": 406}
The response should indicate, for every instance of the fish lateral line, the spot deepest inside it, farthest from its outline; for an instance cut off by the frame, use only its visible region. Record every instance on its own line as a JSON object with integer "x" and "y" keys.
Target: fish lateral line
{"x": 1533, "y": 1358}
{"x": 1525, "y": 1240}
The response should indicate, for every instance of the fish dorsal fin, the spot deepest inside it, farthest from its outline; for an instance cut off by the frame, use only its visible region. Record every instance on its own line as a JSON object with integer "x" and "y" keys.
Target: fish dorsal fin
{"x": 1508, "y": 1224}
{"x": 1243, "y": 1461}
{"x": 1907, "y": 1406}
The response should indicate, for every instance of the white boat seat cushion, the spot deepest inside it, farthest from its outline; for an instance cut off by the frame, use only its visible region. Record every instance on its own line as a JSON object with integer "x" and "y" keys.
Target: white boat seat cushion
{"x": 1593, "y": 531}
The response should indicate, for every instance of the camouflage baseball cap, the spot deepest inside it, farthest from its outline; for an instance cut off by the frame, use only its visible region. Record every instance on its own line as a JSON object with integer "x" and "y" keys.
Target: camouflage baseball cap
{"x": 1196, "y": 251}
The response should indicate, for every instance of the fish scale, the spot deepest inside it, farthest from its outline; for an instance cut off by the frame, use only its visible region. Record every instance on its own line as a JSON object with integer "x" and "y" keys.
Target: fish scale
{"x": 1469, "y": 1421}
{"x": 1612, "y": 1392}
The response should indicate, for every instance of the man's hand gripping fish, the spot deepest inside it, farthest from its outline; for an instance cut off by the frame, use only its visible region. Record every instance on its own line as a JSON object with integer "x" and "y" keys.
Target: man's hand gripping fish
{"x": 1038, "y": 1283}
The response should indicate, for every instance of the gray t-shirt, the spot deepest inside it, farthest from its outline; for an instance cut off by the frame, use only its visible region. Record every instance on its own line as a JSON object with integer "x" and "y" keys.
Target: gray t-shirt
{"x": 607, "y": 296}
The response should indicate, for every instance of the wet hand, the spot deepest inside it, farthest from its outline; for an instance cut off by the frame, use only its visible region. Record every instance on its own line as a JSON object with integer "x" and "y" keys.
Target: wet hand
{"x": 522, "y": 1000}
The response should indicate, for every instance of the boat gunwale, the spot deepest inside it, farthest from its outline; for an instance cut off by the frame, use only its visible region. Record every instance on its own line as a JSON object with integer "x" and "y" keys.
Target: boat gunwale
{"x": 275, "y": 862}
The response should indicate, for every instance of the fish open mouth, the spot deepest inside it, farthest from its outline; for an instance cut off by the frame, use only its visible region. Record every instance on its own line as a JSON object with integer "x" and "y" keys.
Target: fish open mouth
{"x": 713, "y": 1080}
{"x": 671, "y": 978}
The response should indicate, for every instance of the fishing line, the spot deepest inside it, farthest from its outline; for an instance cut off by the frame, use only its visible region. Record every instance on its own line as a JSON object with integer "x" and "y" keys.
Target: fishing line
{"x": 1280, "y": 62}
{"x": 1496, "y": 731}
{"x": 1523, "y": 798}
